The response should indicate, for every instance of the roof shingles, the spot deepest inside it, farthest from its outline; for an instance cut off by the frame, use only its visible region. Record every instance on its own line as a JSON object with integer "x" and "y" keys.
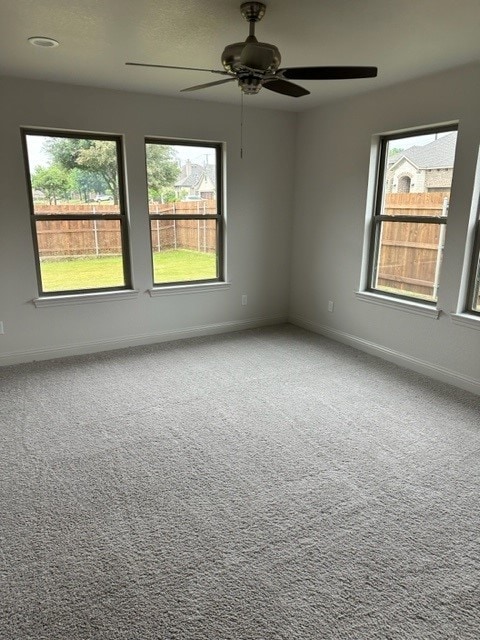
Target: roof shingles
{"x": 438, "y": 154}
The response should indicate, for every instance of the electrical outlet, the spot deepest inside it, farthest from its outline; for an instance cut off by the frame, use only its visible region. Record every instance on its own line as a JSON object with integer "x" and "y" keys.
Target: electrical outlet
{"x": 330, "y": 306}
{"x": 244, "y": 300}
{"x": 1, "y": 328}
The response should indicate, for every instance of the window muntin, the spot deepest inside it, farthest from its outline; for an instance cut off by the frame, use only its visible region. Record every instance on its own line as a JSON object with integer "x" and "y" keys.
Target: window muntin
{"x": 185, "y": 211}
{"x": 78, "y": 215}
{"x": 409, "y": 223}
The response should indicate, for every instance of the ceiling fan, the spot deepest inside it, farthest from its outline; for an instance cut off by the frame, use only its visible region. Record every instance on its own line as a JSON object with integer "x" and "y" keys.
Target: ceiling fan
{"x": 255, "y": 64}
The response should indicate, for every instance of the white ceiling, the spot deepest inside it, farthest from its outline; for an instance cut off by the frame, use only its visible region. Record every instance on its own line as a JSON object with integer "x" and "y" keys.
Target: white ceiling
{"x": 404, "y": 39}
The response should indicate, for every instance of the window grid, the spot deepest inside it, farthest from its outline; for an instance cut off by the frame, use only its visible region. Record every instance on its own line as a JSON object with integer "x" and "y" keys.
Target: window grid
{"x": 95, "y": 218}
{"x": 200, "y": 218}
{"x": 409, "y": 227}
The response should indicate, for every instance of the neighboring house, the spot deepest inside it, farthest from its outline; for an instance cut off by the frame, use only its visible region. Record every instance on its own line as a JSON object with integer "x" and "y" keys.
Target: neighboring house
{"x": 423, "y": 169}
{"x": 197, "y": 180}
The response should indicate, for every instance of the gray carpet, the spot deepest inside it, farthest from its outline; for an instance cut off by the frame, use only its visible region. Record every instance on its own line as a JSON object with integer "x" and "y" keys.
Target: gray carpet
{"x": 263, "y": 485}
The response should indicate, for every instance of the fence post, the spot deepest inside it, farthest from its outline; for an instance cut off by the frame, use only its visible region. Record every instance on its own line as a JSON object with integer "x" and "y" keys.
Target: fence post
{"x": 175, "y": 234}
{"x": 158, "y": 234}
{"x": 198, "y": 235}
{"x": 95, "y": 234}
{"x": 441, "y": 242}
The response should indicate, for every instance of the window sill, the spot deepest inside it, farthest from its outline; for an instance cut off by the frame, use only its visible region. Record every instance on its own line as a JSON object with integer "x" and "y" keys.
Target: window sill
{"x": 85, "y": 298}
{"x": 466, "y": 320}
{"x": 173, "y": 290}
{"x": 401, "y": 305}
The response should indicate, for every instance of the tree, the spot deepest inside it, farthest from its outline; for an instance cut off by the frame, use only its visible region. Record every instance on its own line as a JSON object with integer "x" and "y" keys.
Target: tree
{"x": 54, "y": 181}
{"x": 162, "y": 170}
{"x": 101, "y": 158}
{"x": 98, "y": 157}
{"x": 394, "y": 151}
{"x": 87, "y": 182}
{"x": 64, "y": 151}
{"x": 167, "y": 194}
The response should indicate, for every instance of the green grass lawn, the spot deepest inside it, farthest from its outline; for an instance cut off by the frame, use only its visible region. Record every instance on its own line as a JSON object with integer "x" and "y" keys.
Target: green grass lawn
{"x": 182, "y": 264}
{"x": 107, "y": 271}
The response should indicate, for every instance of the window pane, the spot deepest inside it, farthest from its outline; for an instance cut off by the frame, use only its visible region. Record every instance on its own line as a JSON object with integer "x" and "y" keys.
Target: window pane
{"x": 420, "y": 164}
{"x": 476, "y": 288}
{"x": 416, "y": 204}
{"x": 80, "y": 254}
{"x": 77, "y": 177}
{"x": 414, "y": 184}
{"x": 73, "y": 175}
{"x": 409, "y": 259}
{"x": 182, "y": 179}
{"x": 184, "y": 250}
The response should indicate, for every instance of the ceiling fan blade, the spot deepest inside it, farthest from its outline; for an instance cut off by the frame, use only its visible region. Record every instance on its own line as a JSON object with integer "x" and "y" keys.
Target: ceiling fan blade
{"x": 207, "y": 84}
{"x": 256, "y": 57}
{"x": 167, "y": 66}
{"x": 286, "y": 88}
{"x": 327, "y": 73}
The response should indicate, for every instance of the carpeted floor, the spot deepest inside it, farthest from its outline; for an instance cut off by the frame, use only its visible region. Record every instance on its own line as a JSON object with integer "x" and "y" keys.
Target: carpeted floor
{"x": 262, "y": 485}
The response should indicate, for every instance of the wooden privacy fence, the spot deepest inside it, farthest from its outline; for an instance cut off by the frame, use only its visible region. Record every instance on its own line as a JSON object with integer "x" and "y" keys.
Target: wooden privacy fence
{"x": 78, "y": 238}
{"x": 82, "y": 238}
{"x": 409, "y": 259}
{"x": 197, "y": 235}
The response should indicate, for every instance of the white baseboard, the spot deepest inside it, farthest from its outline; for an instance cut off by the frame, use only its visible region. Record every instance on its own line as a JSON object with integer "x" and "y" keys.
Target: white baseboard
{"x": 47, "y": 353}
{"x": 403, "y": 360}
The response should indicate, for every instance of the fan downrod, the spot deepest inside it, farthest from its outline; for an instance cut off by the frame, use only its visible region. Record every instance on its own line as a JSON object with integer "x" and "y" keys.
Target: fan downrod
{"x": 253, "y": 11}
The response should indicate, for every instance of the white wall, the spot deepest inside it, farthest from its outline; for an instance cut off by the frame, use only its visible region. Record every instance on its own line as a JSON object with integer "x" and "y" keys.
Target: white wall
{"x": 318, "y": 160}
{"x": 332, "y": 179}
{"x": 259, "y": 202}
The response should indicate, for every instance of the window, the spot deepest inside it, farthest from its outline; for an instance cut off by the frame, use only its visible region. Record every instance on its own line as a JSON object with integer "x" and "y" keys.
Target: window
{"x": 411, "y": 208}
{"x": 473, "y": 305}
{"x": 77, "y": 212}
{"x": 186, "y": 213}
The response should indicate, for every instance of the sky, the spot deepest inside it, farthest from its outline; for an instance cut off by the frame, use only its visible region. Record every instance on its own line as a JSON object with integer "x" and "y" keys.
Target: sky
{"x": 37, "y": 157}
{"x": 200, "y": 154}
{"x": 416, "y": 141}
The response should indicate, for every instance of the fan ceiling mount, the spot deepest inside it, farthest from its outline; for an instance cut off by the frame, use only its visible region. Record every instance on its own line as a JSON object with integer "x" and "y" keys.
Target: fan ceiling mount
{"x": 255, "y": 64}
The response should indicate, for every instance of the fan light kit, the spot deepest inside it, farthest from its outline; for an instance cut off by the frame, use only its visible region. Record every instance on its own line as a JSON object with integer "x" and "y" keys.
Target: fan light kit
{"x": 255, "y": 64}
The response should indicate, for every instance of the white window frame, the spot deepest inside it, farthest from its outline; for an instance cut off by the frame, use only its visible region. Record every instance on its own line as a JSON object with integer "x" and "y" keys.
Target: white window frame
{"x": 159, "y": 288}
{"x": 58, "y": 296}
{"x": 368, "y": 292}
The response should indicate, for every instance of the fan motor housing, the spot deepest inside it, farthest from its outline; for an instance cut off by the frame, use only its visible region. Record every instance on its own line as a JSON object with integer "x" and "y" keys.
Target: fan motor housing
{"x": 231, "y": 58}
